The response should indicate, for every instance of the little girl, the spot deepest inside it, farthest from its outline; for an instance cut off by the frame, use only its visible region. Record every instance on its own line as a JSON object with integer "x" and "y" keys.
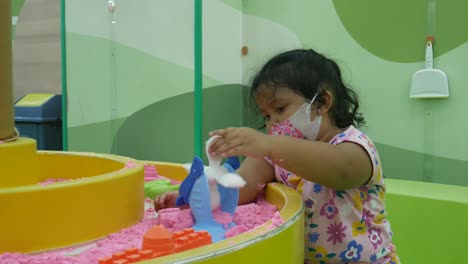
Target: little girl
{"x": 314, "y": 146}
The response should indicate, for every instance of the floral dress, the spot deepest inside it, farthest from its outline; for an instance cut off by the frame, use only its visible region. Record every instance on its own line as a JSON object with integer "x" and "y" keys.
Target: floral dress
{"x": 348, "y": 226}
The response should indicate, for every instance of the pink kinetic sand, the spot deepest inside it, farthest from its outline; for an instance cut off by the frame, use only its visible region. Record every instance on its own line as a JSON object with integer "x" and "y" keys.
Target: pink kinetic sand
{"x": 152, "y": 174}
{"x": 247, "y": 217}
{"x": 52, "y": 180}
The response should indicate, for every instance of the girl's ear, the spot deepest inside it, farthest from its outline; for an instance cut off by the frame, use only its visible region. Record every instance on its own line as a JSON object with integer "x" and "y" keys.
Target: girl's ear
{"x": 326, "y": 100}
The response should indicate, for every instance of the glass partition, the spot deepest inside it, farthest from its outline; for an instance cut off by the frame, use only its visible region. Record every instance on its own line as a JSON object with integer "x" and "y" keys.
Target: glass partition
{"x": 130, "y": 69}
{"x": 130, "y": 72}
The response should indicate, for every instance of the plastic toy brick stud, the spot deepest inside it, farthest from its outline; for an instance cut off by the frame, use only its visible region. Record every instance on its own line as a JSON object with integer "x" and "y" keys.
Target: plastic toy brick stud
{"x": 146, "y": 254}
{"x": 192, "y": 240}
{"x": 131, "y": 255}
{"x": 158, "y": 242}
{"x": 131, "y": 251}
{"x": 162, "y": 242}
{"x": 111, "y": 260}
{"x": 133, "y": 258}
{"x": 106, "y": 260}
{"x": 119, "y": 255}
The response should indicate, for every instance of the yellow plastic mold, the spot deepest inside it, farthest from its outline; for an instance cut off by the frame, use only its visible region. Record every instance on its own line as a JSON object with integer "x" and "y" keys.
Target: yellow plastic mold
{"x": 284, "y": 244}
{"x": 105, "y": 197}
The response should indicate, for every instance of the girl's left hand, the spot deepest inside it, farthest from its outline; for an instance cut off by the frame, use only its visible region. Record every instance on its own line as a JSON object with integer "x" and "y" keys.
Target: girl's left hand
{"x": 240, "y": 141}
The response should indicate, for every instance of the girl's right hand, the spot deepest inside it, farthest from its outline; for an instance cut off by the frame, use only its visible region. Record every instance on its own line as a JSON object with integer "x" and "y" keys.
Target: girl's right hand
{"x": 240, "y": 141}
{"x": 166, "y": 200}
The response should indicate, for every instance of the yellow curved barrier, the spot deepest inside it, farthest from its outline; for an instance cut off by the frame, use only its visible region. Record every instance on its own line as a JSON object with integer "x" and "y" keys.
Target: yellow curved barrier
{"x": 422, "y": 213}
{"x": 109, "y": 198}
{"x": 105, "y": 197}
{"x": 284, "y": 244}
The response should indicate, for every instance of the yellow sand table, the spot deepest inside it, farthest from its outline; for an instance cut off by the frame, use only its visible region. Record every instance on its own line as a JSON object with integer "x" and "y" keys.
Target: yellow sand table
{"x": 105, "y": 197}
{"x": 284, "y": 244}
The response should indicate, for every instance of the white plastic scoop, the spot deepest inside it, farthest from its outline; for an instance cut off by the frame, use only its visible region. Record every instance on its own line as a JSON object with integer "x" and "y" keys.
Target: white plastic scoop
{"x": 218, "y": 172}
{"x": 429, "y": 82}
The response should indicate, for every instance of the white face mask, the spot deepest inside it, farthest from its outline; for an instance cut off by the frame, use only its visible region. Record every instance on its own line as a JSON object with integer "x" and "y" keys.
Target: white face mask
{"x": 299, "y": 124}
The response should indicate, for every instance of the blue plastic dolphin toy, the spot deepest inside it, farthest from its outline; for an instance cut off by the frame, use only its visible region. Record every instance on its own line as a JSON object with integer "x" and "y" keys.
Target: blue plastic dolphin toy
{"x": 208, "y": 188}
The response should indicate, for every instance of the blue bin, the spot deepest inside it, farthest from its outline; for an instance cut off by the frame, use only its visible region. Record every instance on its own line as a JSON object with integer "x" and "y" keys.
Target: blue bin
{"x": 39, "y": 116}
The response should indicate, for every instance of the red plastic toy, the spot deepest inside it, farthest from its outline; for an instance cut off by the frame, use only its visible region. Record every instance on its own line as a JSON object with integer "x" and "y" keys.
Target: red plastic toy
{"x": 158, "y": 242}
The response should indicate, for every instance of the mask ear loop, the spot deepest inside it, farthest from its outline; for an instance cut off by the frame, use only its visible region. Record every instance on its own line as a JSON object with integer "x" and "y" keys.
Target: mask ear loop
{"x": 310, "y": 104}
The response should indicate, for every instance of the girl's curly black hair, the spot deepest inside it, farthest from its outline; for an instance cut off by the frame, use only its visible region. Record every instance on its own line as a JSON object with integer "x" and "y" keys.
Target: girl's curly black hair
{"x": 307, "y": 72}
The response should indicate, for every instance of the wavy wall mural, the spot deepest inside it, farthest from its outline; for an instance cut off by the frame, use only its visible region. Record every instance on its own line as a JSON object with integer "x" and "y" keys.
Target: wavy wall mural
{"x": 417, "y": 139}
{"x": 134, "y": 79}
{"x": 16, "y": 6}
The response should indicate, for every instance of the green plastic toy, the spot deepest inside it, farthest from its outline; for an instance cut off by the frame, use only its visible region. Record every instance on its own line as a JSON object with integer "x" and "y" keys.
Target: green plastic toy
{"x": 158, "y": 187}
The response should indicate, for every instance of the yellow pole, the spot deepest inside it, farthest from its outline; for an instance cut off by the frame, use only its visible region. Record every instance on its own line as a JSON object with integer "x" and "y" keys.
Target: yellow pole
{"x": 7, "y": 122}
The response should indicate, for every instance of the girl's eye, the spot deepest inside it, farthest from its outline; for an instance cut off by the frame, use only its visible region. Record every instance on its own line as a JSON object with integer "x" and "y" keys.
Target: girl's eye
{"x": 280, "y": 109}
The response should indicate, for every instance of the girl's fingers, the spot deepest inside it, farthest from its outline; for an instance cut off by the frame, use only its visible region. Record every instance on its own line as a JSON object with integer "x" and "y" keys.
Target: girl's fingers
{"x": 238, "y": 150}
{"x": 157, "y": 203}
{"x": 224, "y": 149}
{"x": 224, "y": 133}
{"x": 217, "y": 142}
{"x": 227, "y": 135}
{"x": 215, "y": 145}
{"x": 214, "y": 133}
{"x": 219, "y": 132}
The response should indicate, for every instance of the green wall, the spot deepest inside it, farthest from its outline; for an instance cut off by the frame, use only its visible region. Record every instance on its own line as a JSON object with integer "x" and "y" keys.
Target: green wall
{"x": 130, "y": 83}
{"x": 138, "y": 73}
{"x": 154, "y": 133}
{"x": 373, "y": 25}
{"x": 16, "y": 6}
{"x": 131, "y": 89}
{"x": 417, "y": 139}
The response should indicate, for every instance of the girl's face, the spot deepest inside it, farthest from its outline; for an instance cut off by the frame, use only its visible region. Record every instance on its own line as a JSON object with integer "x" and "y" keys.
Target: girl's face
{"x": 277, "y": 104}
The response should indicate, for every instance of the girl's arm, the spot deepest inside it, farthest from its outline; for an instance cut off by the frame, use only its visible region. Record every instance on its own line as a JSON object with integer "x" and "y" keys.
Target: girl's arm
{"x": 256, "y": 172}
{"x": 343, "y": 166}
{"x": 340, "y": 167}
